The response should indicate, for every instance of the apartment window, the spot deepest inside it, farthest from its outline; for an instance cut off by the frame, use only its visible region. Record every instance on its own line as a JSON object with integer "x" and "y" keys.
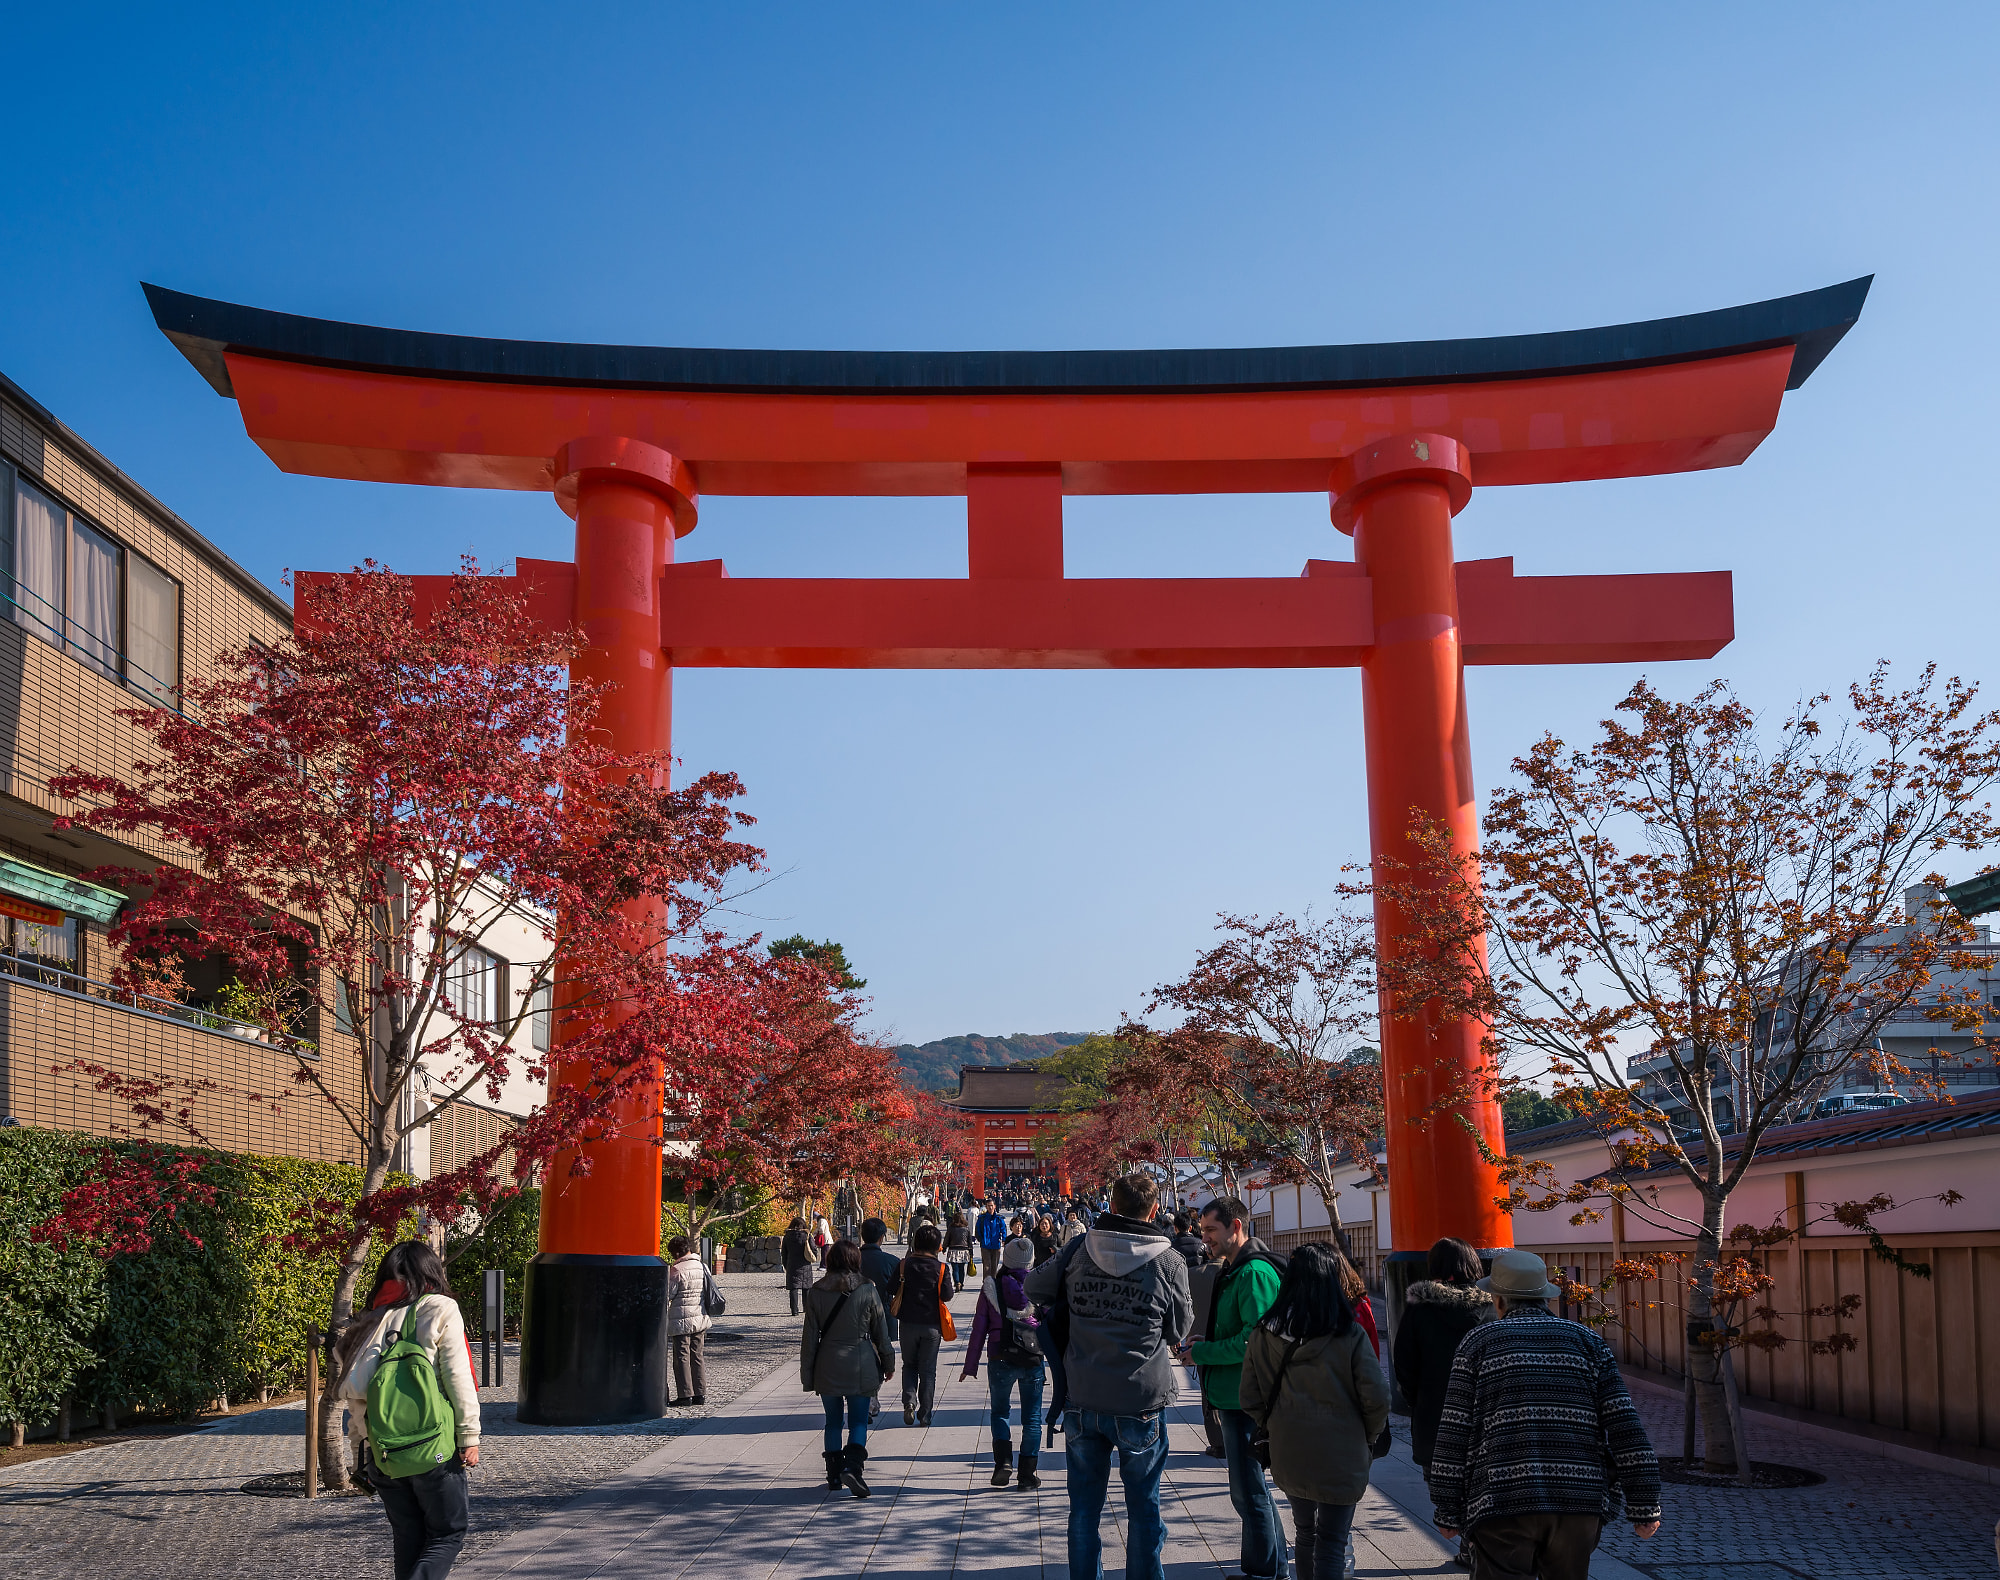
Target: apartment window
{"x": 343, "y": 1013}
{"x": 81, "y": 590}
{"x": 471, "y": 983}
{"x": 44, "y": 944}
{"x": 540, "y": 1018}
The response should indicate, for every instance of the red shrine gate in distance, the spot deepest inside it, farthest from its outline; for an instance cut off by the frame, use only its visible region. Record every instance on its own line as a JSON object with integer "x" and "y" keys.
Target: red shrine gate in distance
{"x": 1010, "y": 1107}
{"x": 1396, "y": 435}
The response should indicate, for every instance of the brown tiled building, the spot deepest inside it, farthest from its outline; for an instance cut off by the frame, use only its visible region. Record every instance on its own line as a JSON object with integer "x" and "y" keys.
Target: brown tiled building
{"x": 107, "y": 599}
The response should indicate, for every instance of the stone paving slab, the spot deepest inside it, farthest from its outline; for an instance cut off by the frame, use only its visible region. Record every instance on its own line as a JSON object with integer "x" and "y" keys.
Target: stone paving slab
{"x": 169, "y": 1508}
{"x": 738, "y": 1491}
{"x": 742, "y": 1495}
{"x": 1874, "y": 1517}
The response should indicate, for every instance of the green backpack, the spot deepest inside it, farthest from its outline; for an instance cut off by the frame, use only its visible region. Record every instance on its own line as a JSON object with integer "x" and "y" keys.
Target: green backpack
{"x": 411, "y": 1428}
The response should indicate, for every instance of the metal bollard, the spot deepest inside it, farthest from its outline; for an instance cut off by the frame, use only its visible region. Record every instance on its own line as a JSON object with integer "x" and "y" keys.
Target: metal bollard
{"x": 492, "y": 1330}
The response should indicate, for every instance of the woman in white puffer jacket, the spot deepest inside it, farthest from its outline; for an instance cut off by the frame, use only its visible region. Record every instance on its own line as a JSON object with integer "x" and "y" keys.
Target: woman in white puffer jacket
{"x": 687, "y": 1321}
{"x": 428, "y": 1513}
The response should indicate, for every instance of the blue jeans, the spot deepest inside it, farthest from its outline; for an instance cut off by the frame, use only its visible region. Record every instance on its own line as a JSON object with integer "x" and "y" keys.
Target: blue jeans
{"x": 1141, "y": 1441}
{"x": 858, "y": 1408}
{"x": 1263, "y": 1550}
{"x": 1000, "y": 1381}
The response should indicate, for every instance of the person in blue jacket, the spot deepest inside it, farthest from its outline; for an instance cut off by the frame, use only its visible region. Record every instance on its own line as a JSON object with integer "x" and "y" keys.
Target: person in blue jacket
{"x": 990, "y": 1230}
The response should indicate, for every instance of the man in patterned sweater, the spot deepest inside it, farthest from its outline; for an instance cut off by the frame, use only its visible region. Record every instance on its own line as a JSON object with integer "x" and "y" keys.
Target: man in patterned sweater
{"x": 1539, "y": 1438}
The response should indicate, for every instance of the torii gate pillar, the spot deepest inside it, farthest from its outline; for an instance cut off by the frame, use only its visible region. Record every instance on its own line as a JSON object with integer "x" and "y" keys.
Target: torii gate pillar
{"x": 599, "y": 1270}
{"x": 1398, "y": 498}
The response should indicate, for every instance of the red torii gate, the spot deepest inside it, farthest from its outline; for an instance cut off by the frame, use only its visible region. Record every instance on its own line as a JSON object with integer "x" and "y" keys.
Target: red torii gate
{"x": 1397, "y": 435}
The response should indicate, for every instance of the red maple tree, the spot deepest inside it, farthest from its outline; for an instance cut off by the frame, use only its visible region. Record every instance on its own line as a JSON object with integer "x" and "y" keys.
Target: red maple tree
{"x": 1699, "y": 924}
{"x": 936, "y": 1148}
{"x": 1269, "y": 1055}
{"x": 129, "y": 1200}
{"x": 790, "y": 1097}
{"x": 363, "y": 803}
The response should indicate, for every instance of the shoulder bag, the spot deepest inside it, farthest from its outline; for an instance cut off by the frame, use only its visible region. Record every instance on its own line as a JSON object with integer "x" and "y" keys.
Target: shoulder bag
{"x": 946, "y": 1327}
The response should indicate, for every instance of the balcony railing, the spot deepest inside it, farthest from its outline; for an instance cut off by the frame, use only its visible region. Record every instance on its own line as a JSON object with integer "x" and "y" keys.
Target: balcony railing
{"x": 36, "y": 972}
{"x": 38, "y": 617}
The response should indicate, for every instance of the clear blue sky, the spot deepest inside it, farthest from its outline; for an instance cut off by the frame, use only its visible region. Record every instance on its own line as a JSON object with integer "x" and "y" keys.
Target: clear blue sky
{"x": 1032, "y": 852}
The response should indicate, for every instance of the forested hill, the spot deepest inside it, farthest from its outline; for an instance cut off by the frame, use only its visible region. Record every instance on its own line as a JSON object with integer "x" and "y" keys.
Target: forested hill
{"x": 934, "y": 1066}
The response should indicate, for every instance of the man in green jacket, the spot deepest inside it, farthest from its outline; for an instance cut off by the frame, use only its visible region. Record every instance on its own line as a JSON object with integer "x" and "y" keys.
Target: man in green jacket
{"x": 1244, "y": 1292}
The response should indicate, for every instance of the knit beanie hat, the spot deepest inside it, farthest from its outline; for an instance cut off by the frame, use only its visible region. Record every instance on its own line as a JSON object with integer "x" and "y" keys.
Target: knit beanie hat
{"x": 1018, "y": 1252}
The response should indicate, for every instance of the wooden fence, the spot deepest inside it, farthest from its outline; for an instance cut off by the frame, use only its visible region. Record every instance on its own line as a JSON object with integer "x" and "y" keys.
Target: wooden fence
{"x": 1360, "y": 1242}
{"x": 1926, "y": 1356}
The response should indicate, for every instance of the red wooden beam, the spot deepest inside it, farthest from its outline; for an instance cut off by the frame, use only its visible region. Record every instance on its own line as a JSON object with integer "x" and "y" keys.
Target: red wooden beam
{"x": 1320, "y": 620}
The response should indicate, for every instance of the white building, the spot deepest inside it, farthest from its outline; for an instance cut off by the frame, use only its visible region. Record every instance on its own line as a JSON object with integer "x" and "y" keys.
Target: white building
{"x": 489, "y": 983}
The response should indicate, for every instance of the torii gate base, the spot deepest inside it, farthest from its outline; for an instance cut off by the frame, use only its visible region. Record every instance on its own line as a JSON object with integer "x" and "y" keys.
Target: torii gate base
{"x": 1396, "y": 434}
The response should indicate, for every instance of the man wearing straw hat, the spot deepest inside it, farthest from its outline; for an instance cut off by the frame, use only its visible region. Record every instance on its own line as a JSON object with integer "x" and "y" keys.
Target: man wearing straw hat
{"x": 1539, "y": 1442}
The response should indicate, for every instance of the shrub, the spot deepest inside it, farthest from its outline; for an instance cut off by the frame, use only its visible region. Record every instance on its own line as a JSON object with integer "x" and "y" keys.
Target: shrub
{"x": 175, "y": 1325}
{"x": 507, "y": 1240}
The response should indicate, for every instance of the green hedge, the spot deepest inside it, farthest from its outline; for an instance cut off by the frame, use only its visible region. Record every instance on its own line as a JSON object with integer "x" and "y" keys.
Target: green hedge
{"x": 507, "y": 1241}
{"x": 173, "y": 1327}
{"x": 765, "y": 1217}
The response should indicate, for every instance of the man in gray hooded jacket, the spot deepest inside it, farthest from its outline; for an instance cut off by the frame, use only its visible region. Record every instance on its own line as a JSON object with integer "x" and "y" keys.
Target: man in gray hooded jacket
{"x": 1129, "y": 1309}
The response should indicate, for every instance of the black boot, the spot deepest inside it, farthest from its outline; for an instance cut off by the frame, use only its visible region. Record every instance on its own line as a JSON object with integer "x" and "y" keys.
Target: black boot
{"x": 850, "y": 1471}
{"x": 832, "y": 1456}
{"x": 1028, "y": 1478}
{"x": 1003, "y": 1461}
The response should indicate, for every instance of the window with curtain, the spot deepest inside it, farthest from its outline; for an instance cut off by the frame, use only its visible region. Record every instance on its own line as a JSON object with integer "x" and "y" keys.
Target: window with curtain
{"x": 96, "y": 604}
{"x": 47, "y": 954}
{"x": 41, "y": 550}
{"x": 470, "y": 981}
{"x": 540, "y": 1018}
{"x": 152, "y": 630}
{"x": 81, "y": 590}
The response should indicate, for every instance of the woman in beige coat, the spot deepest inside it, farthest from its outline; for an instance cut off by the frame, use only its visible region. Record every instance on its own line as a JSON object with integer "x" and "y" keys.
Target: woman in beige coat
{"x": 1310, "y": 1377}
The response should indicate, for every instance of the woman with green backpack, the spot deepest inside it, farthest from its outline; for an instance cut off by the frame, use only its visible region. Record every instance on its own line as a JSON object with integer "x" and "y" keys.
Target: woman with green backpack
{"x": 405, "y": 1369}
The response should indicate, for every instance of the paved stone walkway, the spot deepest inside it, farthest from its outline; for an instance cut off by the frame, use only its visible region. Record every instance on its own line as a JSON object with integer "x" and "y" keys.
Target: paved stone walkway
{"x": 170, "y": 1508}
{"x": 737, "y": 1490}
{"x": 1874, "y": 1517}
{"x": 743, "y": 1495}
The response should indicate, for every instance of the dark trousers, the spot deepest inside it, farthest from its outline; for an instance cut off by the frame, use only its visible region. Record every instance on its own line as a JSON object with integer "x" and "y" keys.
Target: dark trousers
{"x": 1262, "y": 1554}
{"x": 1321, "y": 1550}
{"x": 428, "y": 1514}
{"x": 1534, "y": 1546}
{"x": 920, "y": 1358}
{"x": 690, "y": 1364}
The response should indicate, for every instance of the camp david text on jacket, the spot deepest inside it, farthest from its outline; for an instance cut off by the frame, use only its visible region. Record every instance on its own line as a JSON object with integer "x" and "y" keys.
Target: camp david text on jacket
{"x": 1128, "y": 1310}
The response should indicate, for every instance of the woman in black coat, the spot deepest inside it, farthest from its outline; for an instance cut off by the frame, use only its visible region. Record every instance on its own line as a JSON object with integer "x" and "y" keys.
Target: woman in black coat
{"x": 795, "y": 1255}
{"x": 1437, "y": 1313}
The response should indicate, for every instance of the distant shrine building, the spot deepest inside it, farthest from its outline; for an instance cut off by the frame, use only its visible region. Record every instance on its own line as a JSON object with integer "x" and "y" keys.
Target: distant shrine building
{"x": 1012, "y": 1107}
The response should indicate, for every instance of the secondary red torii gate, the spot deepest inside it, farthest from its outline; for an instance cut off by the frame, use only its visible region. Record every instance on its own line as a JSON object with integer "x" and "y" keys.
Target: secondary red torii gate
{"x": 1396, "y": 434}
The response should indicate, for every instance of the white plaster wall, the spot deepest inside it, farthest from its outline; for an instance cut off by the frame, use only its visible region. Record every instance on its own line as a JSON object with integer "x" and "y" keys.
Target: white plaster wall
{"x": 523, "y": 943}
{"x": 1914, "y": 1175}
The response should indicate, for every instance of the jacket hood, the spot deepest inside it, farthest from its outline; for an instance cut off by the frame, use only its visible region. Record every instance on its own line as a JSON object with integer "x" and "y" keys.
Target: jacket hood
{"x": 1431, "y": 1293}
{"x": 1124, "y": 1245}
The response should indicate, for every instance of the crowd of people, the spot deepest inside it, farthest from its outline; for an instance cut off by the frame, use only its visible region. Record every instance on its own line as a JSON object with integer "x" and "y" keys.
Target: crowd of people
{"x": 1086, "y": 1314}
{"x": 1527, "y": 1436}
